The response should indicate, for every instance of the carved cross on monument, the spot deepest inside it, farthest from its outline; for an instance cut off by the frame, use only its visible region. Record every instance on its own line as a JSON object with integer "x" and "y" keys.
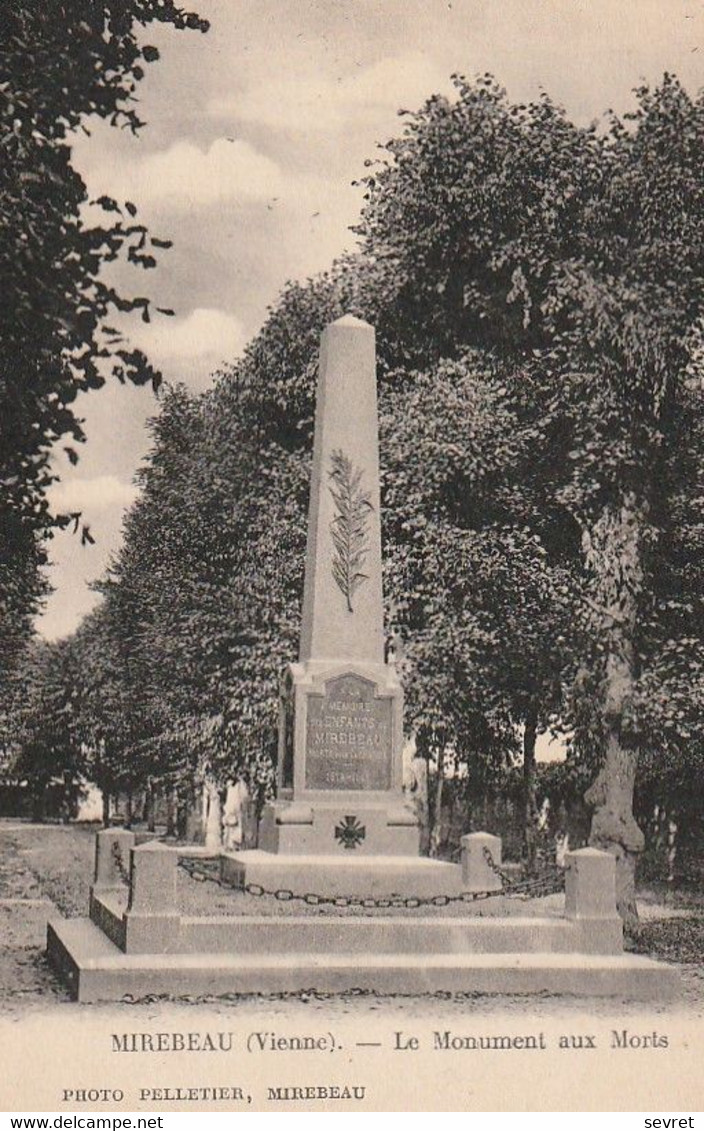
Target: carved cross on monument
{"x": 341, "y": 720}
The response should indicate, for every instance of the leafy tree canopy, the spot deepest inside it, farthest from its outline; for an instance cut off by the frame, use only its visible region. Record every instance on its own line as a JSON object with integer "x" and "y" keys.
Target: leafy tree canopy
{"x": 62, "y": 65}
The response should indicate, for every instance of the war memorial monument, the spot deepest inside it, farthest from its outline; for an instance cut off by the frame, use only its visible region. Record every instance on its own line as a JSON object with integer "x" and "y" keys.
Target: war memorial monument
{"x": 339, "y": 836}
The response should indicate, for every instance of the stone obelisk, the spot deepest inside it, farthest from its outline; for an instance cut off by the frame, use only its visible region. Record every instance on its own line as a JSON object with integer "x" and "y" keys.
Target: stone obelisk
{"x": 341, "y": 720}
{"x": 342, "y": 603}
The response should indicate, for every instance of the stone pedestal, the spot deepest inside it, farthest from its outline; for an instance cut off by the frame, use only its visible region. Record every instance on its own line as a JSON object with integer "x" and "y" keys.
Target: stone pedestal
{"x": 590, "y": 884}
{"x": 590, "y": 898}
{"x": 112, "y": 859}
{"x": 479, "y": 852}
{"x": 344, "y": 724}
{"x": 151, "y": 922}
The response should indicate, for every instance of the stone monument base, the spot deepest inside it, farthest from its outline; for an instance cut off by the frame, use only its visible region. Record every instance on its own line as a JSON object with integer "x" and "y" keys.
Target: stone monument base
{"x": 296, "y": 828}
{"x": 95, "y": 970}
{"x": 355, "y": 871}
{"x": 372, "y": 876}
{"x": 138, "y": 941}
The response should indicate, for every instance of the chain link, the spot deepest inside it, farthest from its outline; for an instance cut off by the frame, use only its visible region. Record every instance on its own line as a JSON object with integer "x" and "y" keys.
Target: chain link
{"x": 503, "y": 876}
{"x": 530, "y": 888}
{"x": 549, "y": 882}
{"x": 119, "y": 863}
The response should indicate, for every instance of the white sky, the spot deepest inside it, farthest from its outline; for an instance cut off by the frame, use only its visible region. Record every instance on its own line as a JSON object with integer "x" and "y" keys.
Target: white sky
{"x": 255, "y": 133}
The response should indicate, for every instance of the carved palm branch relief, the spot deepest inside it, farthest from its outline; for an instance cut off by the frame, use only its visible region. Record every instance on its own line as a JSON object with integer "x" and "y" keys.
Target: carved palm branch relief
{"x": 349, "y": 528}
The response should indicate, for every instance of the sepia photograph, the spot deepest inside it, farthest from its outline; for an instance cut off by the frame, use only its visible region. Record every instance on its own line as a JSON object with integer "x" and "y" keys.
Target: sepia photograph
{"x": 351, "y": 557}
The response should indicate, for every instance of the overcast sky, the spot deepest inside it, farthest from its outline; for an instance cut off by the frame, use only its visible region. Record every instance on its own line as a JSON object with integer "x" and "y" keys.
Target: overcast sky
{"x": 255, "y": 134}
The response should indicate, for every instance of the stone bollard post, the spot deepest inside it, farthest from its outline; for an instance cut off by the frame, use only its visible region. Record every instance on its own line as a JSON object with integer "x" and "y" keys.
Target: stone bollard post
{"x": 112, "y": 856}
{"x": 477, "y": 873}
{"x": 590, "y": 900}
{"x": 152, "y": 916}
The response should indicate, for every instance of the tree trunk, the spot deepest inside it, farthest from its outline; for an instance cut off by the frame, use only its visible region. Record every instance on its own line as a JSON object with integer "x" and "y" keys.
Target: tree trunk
{"x": 249, "y": 823}
{"x": 613, "y": 549}
{"x": 421, "y": 803}
{"x": 170, "y": 811}
{"x": 468, "y": 812}
{"x": 39, "y": 803}
{"x": 181, "y": 816}
{"x": 150, "y": 807}
{"x": 671, "y": 851}
{"x": 66, "y": 805}
{"x": 530, "y": 807}
{"x": 436, "y": 831}
{"x": 259, "y": 800}
{"x": 106, "y": 808}
{"x": 614, "y": 828}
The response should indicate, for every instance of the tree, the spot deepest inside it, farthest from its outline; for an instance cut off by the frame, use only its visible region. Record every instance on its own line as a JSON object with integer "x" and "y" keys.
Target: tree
{"x": 485, "y": 611}
{"x": 205, "y": 593}
{"x": 40, "y": 732}
{"x": 576, "y": 256}
{"x": 113, "y": 716}
{"x": 63, "y": 64}
{"x": 22, "y": 588}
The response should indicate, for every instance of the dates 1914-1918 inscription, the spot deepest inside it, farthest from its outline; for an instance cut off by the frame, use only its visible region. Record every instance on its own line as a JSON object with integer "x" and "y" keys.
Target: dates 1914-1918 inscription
{"x": 349, "y": 737}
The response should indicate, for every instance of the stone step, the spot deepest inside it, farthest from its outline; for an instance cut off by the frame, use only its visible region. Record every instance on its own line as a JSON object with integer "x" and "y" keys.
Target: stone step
{"x": 97, "y": 971}
{"x": 344, "y": 875}
{"x": 330, "y": 934}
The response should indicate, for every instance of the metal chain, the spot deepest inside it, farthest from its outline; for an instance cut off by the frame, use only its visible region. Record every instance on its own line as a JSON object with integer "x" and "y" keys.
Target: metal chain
{"x": 503, "y": 876}
{"x": 523, "y": 889}
{"x": 551, "y": 881}
{"x": 119, "y": 863}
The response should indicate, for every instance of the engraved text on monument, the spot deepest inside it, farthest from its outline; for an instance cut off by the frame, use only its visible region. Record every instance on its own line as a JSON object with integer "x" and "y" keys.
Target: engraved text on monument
{"x": 348, "y": 737}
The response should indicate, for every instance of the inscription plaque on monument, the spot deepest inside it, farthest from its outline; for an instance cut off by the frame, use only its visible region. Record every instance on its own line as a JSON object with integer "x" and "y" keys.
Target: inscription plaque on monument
{"x": 349, "y": 737}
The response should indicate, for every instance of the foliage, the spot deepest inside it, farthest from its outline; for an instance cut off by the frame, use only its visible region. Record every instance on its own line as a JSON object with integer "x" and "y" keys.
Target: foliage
{"x": 485, "y": 610}
{"x": 62, "y": 65}
{"x": 574, "y": 255}
{"x": 39, "y": 724}
{"x": 674, "y": 940}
